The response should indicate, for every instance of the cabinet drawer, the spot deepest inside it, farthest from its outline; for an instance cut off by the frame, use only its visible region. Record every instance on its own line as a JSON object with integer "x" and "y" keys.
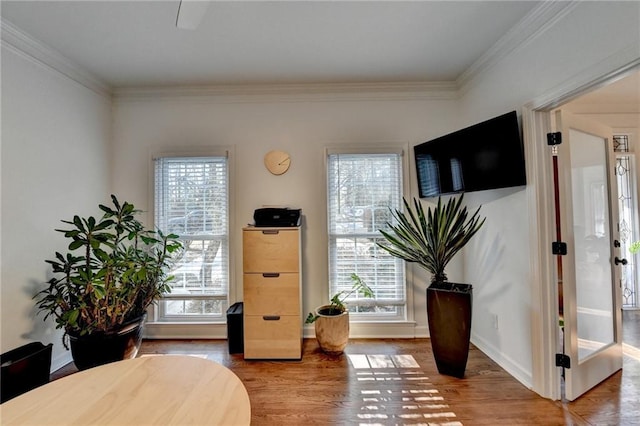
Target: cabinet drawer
{"x": 271, "y": 294}
{"x": 272, "y": 337}
{"x": 271, "y": 250}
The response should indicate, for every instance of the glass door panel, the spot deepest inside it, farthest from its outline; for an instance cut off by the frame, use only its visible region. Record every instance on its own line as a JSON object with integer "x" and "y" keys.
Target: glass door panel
{"x": 592, "y": 243}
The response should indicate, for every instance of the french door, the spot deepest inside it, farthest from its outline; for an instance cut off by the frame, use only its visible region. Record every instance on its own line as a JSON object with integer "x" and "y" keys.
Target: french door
{"x": 589, "y": 272}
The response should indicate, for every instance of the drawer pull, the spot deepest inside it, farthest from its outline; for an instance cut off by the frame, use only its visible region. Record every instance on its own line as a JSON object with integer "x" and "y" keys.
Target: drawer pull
{"x": 271, "y": 317}
{"x": 271, "y": 274}
{"x": 270, "y": 231}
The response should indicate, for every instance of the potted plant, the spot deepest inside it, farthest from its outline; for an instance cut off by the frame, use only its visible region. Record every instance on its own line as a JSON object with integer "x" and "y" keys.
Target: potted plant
{"x": 332, "y": 321}
{"x": 431, "y": 240}
{"x": 102, "y": 287}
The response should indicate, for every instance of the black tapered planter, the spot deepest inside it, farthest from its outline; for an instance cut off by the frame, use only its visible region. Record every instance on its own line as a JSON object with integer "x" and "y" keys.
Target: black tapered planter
{"x": 449, "y": 313}
{"x": 102, "y": 348}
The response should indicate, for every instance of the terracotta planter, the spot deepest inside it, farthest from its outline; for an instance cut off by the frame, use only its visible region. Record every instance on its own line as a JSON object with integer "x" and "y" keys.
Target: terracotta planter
{"x": 332, "y": 331}
{"x": 102, "y": 348}
{"x": 449, "y": 314}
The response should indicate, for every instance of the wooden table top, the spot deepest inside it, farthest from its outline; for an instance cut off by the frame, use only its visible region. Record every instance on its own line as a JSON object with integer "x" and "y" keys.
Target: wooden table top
{"x": 153, "y": 390}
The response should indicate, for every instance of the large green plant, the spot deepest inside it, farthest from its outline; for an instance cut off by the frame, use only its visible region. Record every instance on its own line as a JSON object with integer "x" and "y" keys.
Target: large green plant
{"x": 431, "y": 239}
{"x": 114, "y": 270}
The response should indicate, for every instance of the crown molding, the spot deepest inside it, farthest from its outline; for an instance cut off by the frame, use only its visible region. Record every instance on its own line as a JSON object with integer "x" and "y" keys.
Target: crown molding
{"x": 531, "y": 26}
{"x": 614, "y": 67}
{"x": 27, "y": 46}
{"x": 294, "y": 92}
{"x": 535, "y": 23}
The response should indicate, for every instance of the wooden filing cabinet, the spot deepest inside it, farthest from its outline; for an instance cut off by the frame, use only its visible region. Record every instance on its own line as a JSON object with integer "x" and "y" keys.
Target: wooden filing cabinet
{"x": 272, "y": 293}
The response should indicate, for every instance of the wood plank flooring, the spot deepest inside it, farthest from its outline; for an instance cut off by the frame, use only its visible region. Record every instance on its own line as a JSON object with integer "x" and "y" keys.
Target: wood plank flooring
{"x": 395, "y": 382}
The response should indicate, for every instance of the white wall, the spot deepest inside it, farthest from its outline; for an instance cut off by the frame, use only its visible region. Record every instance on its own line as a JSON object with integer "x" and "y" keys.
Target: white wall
{"x": 595, "y": 38}
{"x": 55, "y": 163}
{"x": 303, "y": 126}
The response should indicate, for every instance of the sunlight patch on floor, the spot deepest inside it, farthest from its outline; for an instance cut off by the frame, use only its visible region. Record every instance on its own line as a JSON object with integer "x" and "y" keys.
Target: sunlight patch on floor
{"x": 395, "y": 391}
{"x": 383, "y": 361}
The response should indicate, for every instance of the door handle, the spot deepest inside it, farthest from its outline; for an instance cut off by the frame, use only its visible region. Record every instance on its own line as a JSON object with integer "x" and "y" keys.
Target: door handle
{"x": 619, "y": 261}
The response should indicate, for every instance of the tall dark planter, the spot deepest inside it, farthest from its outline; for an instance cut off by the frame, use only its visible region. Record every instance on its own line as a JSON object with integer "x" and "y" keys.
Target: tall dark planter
{"x": 102, "y": 348}
{"x": 449, "y": 313}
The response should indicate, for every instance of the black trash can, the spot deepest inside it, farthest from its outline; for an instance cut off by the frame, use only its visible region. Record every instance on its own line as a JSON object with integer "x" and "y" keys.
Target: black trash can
{"x": 235, "y": 333}
{"x": 23, "y": 369}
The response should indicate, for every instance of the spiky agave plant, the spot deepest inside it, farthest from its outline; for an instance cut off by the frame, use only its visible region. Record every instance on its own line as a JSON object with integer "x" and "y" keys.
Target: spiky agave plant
{"x": 431, "y": 240}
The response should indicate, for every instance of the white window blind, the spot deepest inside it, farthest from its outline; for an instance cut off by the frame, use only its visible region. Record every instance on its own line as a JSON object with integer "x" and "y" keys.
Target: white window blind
{"x": 192, "y": 201}
{"x": 361, "y": 190}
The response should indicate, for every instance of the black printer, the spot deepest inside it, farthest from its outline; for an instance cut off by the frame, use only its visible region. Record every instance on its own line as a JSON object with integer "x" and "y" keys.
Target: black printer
{"x": 276, "y": 217}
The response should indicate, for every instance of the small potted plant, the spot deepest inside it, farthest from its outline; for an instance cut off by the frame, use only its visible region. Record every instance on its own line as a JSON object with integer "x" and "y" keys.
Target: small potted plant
{"x": 332, "y": 321}
{"x": 102, "y": 287}
{"x": 431, "y": 240}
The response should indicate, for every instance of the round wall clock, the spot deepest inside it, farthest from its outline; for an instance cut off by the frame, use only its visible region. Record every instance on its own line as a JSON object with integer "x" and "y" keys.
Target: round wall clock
{"x": 277, "y": 162}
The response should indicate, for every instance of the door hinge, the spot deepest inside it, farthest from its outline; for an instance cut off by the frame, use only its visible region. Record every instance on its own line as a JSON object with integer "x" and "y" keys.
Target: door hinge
{"x": 554, "y": 138}
{"x": 559, "y": 248}
{"x": 563, "y": 361}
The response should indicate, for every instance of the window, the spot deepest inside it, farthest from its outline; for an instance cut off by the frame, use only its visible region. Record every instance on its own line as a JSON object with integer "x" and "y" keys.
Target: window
{"x": 362, "y": 188}
{"x": 192, "y": 201}
{"x": 626, "y": 177}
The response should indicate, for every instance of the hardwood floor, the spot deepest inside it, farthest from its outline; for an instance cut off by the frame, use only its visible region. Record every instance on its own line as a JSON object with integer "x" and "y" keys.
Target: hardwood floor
{"x": 395, "y": 381}
{"x": 631, "y": 328}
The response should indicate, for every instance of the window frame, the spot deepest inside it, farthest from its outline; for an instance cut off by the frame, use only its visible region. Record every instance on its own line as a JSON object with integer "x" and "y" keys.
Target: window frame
{"x": 157, "y": 312}
{"x": 405, "y": 314}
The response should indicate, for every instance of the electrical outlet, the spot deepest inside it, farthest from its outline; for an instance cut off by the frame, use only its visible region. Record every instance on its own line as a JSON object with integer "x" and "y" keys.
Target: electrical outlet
{"x": 495, "y": 321}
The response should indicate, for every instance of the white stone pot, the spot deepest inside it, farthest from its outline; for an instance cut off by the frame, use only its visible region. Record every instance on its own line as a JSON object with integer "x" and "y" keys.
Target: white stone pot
{"x": 332, "y": 331}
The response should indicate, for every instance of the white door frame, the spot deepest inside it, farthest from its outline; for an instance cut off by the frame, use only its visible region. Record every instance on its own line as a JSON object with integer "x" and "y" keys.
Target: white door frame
{"x": 536, "y": 122}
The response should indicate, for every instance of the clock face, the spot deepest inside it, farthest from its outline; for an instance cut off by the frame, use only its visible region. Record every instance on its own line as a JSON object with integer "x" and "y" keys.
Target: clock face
{"x": 277, "y": 162}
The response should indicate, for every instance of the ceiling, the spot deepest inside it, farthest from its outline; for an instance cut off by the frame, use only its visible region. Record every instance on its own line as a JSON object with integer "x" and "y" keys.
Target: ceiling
{"x": 136, "y": 43}
{"x": 620, "y": 96}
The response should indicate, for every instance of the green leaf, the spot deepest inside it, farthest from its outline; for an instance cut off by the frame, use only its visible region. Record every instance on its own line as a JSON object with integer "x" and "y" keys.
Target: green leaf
{"x": 76, "y": 244}
{"x": 149, "y": 240}
{"x": 127, "y": 208}
{"x": 70, "y": 234}
{"x": 99, "y": 291}
{"x": 104, "y": 224}
{"x": 115, "y": 202}
{"x": 101, "y": 254}
{"x": 72, "y": 316}
{"x": 78, "y": 223}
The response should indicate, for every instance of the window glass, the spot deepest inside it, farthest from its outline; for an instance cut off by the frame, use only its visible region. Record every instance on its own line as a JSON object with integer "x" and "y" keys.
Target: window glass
{"x": 192, "y": 201}
{"x": 362, "y": 188}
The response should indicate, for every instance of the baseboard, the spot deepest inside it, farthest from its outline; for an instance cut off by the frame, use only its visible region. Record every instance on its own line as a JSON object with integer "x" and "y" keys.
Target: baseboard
{"x": 387, "y": 330}
{"x": 395, "y": 330}
{"x": 509, "y": 365}
{"x": 60, "y": 361}
{"x": 167, "y": 330}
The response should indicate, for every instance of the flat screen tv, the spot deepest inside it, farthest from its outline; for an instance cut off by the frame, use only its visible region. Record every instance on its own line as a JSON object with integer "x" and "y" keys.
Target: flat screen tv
{"x": 488, "y": 155}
